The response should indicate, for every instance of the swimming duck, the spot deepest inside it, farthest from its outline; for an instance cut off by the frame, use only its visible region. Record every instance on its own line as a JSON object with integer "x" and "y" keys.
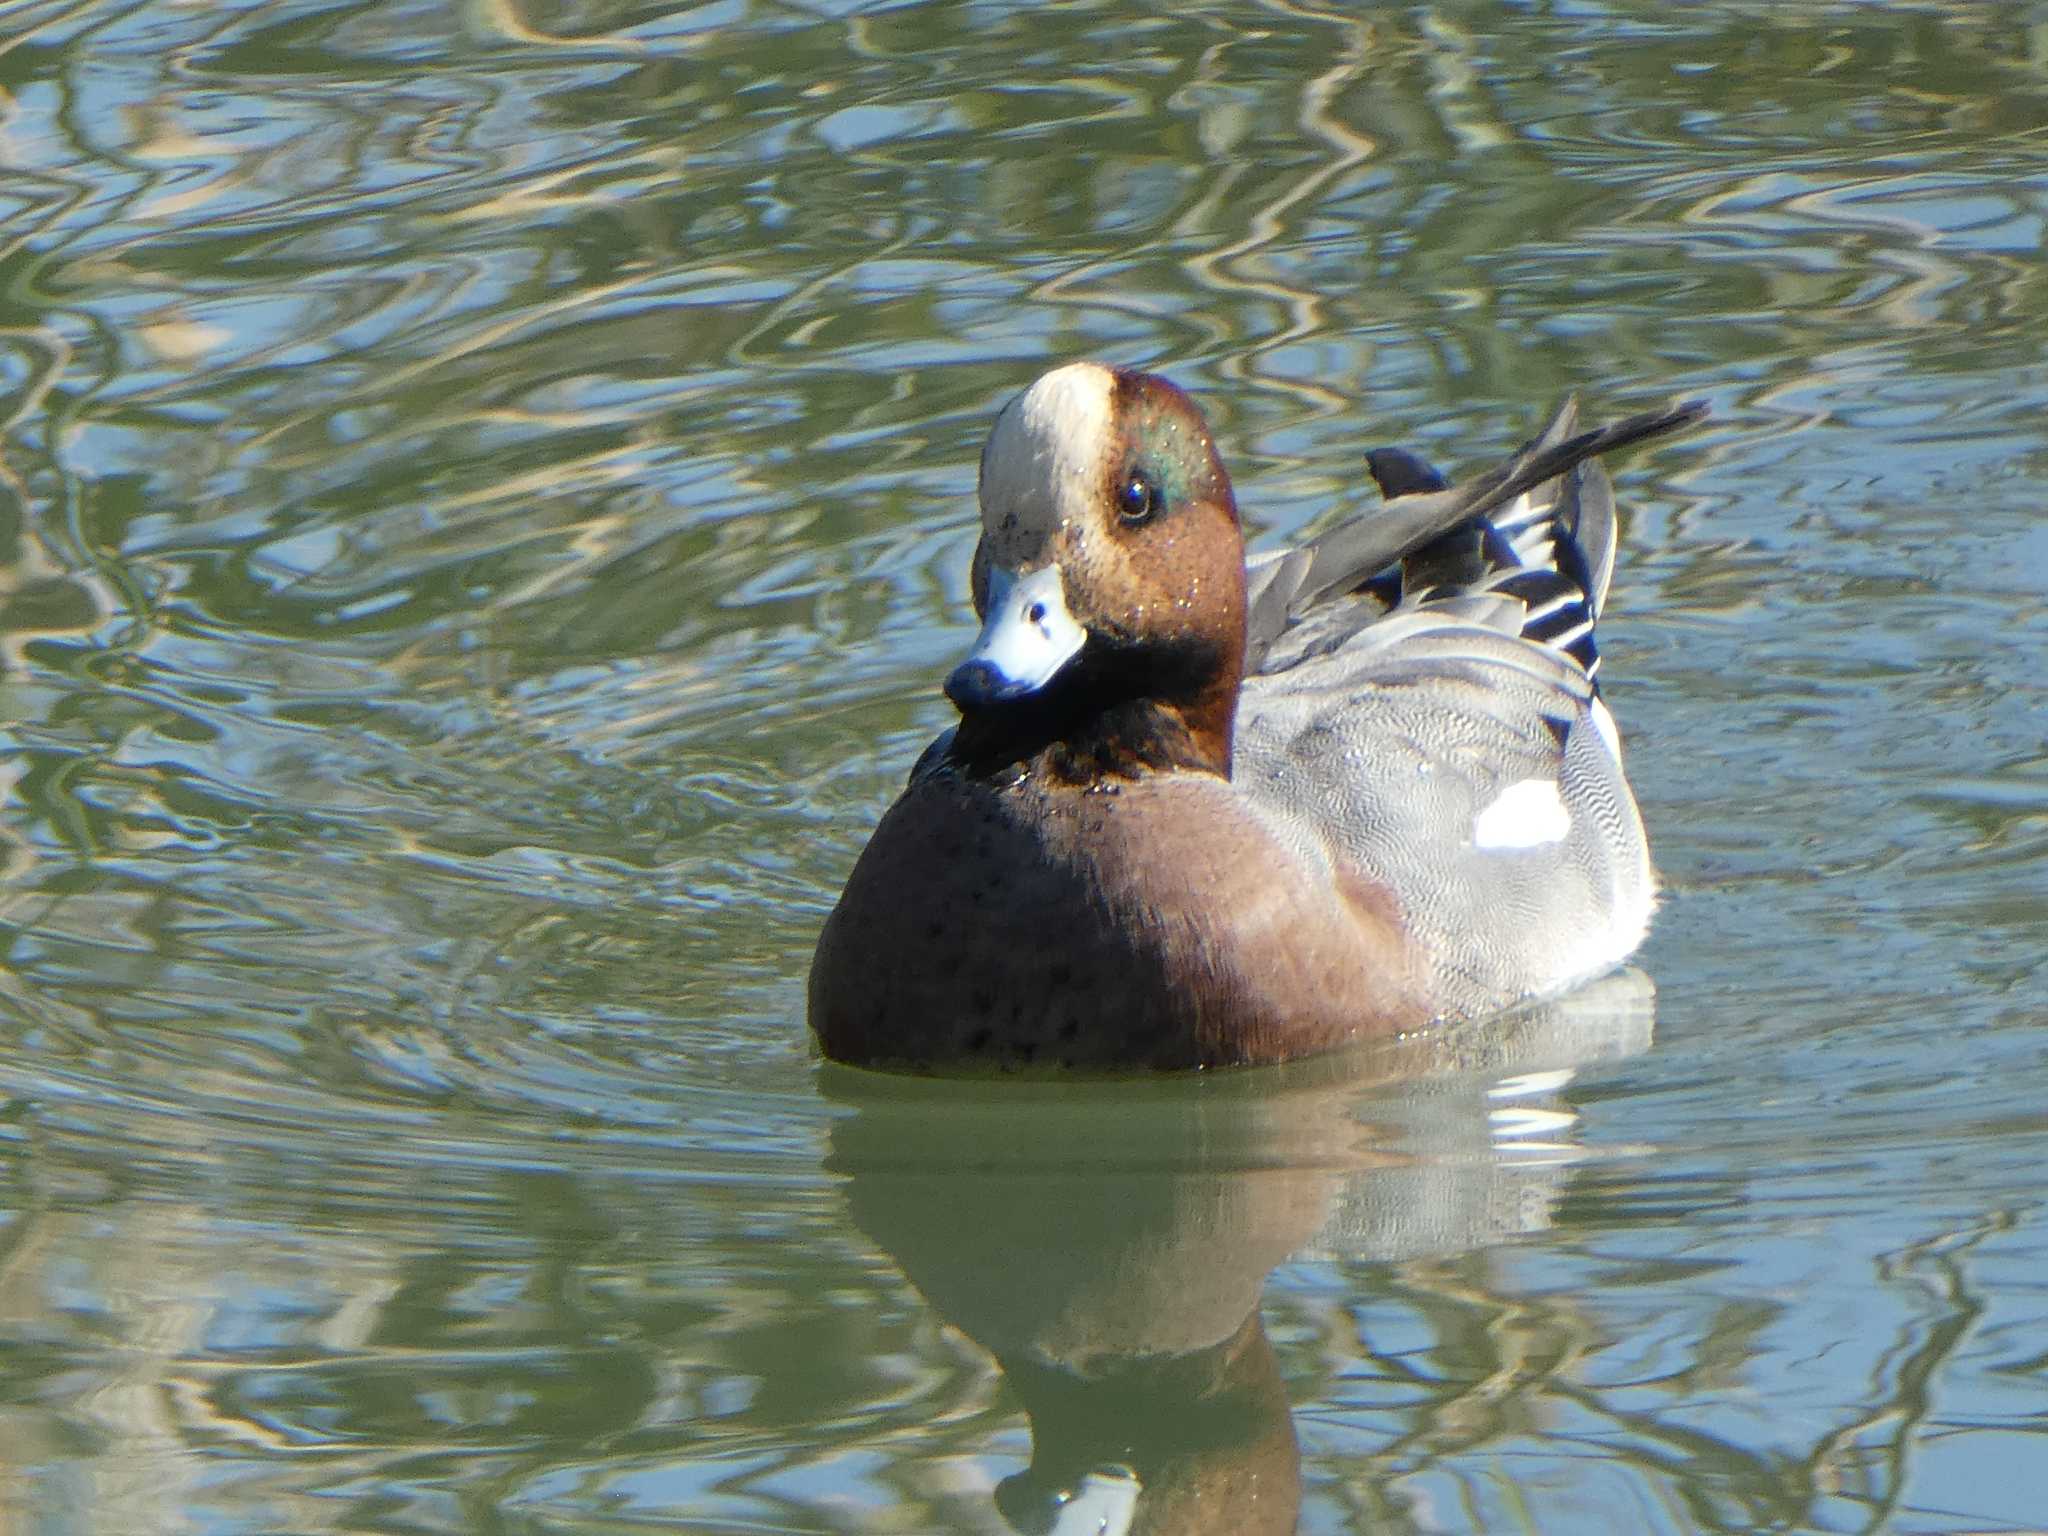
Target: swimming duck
{"x": 1199, "y": 812}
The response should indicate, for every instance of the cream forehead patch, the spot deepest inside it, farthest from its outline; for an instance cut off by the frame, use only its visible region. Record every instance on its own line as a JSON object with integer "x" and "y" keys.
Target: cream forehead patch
{"x": 1044, "y": 455}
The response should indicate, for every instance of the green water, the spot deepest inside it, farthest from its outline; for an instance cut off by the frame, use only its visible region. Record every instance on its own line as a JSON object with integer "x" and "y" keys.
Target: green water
{"x": 485, "y": 494}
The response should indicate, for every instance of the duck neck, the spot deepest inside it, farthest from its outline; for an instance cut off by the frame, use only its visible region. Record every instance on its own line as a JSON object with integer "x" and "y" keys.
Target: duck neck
{"x": 1093, "y": 726}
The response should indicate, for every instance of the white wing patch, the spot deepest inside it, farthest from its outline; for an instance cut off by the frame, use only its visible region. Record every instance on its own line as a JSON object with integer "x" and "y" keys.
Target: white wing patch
{"x": 1604, "y": 723}
{"x": 1526, "y": 814}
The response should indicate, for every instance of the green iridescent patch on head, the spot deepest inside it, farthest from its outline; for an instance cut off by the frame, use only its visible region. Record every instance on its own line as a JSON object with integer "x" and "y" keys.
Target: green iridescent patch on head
{"x": 1169, "y": 442}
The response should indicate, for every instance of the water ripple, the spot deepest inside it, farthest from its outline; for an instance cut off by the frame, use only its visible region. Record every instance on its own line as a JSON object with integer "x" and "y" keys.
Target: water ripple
{"x": 485, "y": 493}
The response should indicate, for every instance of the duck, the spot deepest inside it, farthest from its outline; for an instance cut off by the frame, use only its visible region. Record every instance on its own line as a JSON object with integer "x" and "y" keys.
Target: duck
{"x": 1201, "y": 811}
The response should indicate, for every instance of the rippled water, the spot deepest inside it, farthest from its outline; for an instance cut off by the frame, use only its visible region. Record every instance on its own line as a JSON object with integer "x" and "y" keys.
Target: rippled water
{"x": 484, "y": 500}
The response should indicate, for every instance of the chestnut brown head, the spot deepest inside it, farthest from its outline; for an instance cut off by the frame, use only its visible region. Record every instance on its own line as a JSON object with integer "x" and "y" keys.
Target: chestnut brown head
{"x": 1110, "y": 553}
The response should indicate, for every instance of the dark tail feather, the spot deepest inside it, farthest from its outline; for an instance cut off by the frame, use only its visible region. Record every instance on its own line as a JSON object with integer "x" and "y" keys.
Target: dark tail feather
{"x": 1530, "y": 468}
{"x": 1397, "y": 472}
{"x": 1355, "y": 551}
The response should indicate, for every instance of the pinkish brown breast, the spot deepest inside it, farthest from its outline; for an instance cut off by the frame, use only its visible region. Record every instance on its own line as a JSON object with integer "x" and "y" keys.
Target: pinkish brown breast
{"x": 1154, "y": 924}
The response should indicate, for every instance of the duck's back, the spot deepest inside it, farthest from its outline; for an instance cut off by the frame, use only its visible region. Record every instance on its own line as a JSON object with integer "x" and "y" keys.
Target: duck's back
{"x": 1454, "y": 750}
{"x": 1458, "y": 771}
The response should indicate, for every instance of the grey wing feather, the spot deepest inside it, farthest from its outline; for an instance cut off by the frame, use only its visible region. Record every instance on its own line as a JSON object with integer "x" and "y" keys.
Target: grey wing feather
{"x": 1283, "y": 587}
{"x": 1423, "y": 701}
{"x": 1392, "y": 747}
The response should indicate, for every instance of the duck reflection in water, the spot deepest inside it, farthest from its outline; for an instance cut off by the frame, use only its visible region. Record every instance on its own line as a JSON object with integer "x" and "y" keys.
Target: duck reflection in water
{"x": 1108, "y": 1242}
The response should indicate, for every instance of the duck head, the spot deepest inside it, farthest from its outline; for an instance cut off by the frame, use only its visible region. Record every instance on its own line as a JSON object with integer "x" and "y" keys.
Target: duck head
{"x": 1109, "y": 581}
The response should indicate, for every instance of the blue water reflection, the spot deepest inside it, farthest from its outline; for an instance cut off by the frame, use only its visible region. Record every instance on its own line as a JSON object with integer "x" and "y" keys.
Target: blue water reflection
{"x": 484, "y": 500}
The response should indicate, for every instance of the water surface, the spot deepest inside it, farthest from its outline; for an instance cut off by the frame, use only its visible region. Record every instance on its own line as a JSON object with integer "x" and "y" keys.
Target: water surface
{"x": 485, "y": 494}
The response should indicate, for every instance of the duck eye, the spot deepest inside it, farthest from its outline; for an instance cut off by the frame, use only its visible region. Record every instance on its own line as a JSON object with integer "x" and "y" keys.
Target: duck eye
{"x": 1137, "y": 499}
